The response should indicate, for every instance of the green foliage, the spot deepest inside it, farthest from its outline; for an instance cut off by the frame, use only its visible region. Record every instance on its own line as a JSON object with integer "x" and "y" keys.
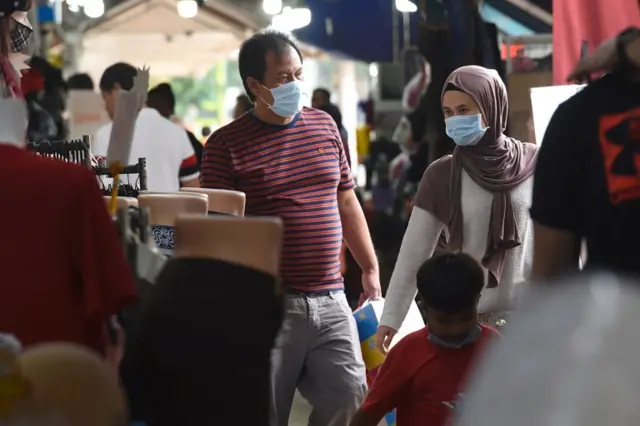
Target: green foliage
{"x": 206, "y": 93}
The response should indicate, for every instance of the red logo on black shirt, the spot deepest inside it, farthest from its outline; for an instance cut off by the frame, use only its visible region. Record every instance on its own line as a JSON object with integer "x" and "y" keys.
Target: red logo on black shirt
{"x": 620, "y": 142}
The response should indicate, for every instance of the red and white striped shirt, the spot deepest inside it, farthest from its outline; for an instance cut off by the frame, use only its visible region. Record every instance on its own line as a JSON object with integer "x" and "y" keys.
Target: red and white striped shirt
{"x": 293, "y": 172}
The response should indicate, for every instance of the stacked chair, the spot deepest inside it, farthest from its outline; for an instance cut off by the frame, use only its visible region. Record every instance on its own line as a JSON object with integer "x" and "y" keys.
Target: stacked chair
{"x": 165, "y": 208}
{"x": 221, "y": 201}
{"x": 218, "y": 296}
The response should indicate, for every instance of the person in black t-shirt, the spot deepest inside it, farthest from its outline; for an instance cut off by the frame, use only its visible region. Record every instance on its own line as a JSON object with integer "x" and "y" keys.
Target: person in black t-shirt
{"x": 587, "y": 180}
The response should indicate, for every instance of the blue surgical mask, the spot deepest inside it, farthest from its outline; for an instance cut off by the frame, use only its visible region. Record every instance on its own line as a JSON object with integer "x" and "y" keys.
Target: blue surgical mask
{"x": 288, "y": 99}
{"x": 465, "y": 130}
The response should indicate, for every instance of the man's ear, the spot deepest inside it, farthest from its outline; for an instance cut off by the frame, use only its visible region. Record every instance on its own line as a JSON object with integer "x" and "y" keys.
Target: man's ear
{"x": 116, "y": 86}
{"x": 254, "y": 85}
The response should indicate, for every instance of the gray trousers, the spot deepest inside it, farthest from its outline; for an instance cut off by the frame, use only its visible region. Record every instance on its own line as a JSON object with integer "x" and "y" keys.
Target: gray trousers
{"x": 318, "y": 352}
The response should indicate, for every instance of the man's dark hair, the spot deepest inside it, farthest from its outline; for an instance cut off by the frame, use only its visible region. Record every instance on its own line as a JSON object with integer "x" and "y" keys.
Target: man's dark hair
{"x": 162, "y": 94}
{"x": 120, "y": 73}
{"x": 252, "y": 59}
{"x": 324, "y": 92}
{"x": 80, "y": 81}
{"x": 450, "y": 282}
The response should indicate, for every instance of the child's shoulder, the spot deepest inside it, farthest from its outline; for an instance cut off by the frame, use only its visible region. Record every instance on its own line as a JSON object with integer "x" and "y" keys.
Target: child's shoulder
{"x": 412, "y": 339}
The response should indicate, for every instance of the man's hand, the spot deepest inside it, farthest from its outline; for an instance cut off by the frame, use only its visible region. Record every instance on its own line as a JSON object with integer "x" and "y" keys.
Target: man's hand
{"x": 384, "y": 336}
{"x": 600, "y": 60}
{"x": 370, "y": 286}
{"x": 604, "y": 58}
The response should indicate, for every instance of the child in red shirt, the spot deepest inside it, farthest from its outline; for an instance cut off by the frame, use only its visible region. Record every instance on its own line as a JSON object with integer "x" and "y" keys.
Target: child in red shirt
{"x": 423, "y": 374}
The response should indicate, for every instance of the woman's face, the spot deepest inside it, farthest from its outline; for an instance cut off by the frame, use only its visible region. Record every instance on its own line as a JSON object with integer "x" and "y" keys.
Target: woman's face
{"x": 455, "y": 102}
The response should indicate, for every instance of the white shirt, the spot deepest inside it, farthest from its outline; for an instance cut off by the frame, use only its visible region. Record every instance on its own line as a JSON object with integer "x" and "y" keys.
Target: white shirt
{"x": 163, "y": 144}
{"x": 421, "y": 238}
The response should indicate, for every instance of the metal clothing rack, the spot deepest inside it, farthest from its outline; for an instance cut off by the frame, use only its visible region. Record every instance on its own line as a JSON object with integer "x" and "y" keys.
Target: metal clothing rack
{"x": 146, "y": 262}
{"x": 139, "y": 169}
{"x": 73, "y": 151}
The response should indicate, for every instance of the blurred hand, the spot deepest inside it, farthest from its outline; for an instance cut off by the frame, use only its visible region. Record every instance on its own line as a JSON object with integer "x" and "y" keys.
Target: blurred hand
{"x": 370, "y": 286}
{"x": 115, "y": 350}
{"x": 600, "y": 60}
{"x": 384, "y": 336}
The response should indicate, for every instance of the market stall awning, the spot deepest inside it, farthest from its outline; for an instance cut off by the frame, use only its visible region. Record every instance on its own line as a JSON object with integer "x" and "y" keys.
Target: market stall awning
{"x": 505, "y": 23}
{"x": 151, "y": 32}
{"x": 525, "y": 12}
{"x": 368, "y": 29}
{"x": 360, "y": 29}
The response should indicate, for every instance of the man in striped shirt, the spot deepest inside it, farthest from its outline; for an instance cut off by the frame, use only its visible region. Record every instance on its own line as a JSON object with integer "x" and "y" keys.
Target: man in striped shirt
{"x": 291, "y": 163}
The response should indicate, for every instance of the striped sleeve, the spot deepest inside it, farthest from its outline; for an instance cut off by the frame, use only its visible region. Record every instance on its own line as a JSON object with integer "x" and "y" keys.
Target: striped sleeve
{"x": 217, "y": 165}
{"x": 189, "y": 169}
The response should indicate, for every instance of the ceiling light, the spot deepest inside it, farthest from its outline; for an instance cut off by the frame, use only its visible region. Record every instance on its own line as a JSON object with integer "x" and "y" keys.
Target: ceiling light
{"x": 94, "y": 8}
{"x": 291, "y": 19}
{"x": 406, "y": 6}
{"x": 187, "y": 8}
{"x": 272, "y": 7}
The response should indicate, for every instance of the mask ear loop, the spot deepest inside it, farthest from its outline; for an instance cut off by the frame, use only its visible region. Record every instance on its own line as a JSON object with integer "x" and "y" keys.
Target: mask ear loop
{"x": 262, "y": 99}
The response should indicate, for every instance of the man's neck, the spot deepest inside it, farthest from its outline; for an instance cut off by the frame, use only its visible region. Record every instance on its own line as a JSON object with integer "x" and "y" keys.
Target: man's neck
{"x": 263, "y": 113}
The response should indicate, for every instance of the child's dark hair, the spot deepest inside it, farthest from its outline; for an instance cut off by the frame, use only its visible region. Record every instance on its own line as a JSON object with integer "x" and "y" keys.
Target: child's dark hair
{"x": 450, "y": 282}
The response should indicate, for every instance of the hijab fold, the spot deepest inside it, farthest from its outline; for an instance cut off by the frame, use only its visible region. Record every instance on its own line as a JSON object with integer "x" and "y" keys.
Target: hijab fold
{"x": 497, "y": 164}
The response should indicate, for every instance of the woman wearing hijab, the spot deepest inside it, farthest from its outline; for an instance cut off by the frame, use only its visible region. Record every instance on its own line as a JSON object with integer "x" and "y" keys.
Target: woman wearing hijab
{"x": 479, "y": 197}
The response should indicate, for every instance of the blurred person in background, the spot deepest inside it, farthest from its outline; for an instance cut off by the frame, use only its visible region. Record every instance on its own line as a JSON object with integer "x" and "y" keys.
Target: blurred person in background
{"x": 80, "y": 81}
{"x": 335, "y": 113}
{"x": 206, "y": 132}
{"x": 410, "y": 131}
{"x": 163, "y": 100}
{"x": 54, "y": 97}
{"x": 320, "y": 98}
{"x": 417, "y": 147}
{"x": 480, "y": 197}
{"x": 42, "y": 126}
{"x": 171, "y": 160}
{"x": 243, "y": 105}
{"x": 523, "y": 63}
{"x": 41, "y": 84}
{"x": 350, "y": 269}
{"x": 13, "y": 39}
{"x": 587, "y": 184}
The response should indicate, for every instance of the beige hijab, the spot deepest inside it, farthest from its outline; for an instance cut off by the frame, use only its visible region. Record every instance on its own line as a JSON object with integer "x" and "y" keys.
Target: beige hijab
{"x": 497, "y": 164}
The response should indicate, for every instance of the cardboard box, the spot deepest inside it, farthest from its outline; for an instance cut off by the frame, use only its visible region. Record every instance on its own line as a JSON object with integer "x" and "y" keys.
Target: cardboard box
{"x": 520, "y": 111}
